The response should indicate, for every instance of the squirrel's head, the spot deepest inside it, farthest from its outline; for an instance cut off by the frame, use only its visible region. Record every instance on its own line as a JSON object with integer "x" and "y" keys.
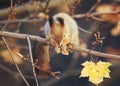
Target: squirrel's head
{"x": 57, "y": 28}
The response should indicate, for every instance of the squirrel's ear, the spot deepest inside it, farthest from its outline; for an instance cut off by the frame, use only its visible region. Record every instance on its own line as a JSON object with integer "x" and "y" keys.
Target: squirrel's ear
{"x": 61, "y": 21}
{"x": 51, "y": 21}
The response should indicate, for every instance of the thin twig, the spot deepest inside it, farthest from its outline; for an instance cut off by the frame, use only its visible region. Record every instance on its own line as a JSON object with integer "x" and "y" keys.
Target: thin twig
{"x": 74, "y": 16}
{"x": 95, "y": 14}
{"x": 15, "y": 74}
{"x": 85, "y": 31}
{"x": 11, "y": 5}
{"x": 31, "y": 57}
{"x": 63, "y": 75}
{"x": 49, "y": 72}
{"x": 6, "y": 23}
{"x": 94, "y": 6}
{"x": 11, "y": 72}
{"x": 22, "y": 36}
{"x": 40, "y": 39}
{"x": 46, "y": 5}
{"x": 28, "y": 8}
{"x": 15, "y": 62}
{"x": 8, "y": 19}
{"x": 99, "y": 54}
{"x": 20, "y": 21}
{"x": 97, "y": 18}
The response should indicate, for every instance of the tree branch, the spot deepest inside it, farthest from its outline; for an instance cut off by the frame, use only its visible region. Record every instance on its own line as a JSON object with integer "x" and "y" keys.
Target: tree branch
{"x": 22, "y": 36}
{"x": 8, "y": 70}
{"x": 38, "y": 38}
{"x": 20, "y": 20}
{"x": 94, "y": 6}
{"x": 15, "y": 74}
{"x": 65, "y": 74}
{"x": 31, "y": 59}
{"x": 88, "y": 15}
{"x": 28, "y": 7}
{"x": 100, "y": 54}
{"x": 15, "y": 62}
{"x": 94, "y": 14}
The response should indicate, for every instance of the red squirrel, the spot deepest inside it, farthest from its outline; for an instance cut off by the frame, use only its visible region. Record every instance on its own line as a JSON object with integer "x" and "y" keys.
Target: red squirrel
{"x": 62, "y": 31}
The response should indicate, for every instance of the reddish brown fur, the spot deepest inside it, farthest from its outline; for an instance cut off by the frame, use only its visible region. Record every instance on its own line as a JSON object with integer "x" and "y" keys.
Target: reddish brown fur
{"x": 57, "y": 31}
{"x": 41, "y": 53}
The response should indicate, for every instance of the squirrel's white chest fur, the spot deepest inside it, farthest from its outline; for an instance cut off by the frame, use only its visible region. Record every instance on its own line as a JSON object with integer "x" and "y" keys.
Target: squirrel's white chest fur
{"x": 62, "y": 31}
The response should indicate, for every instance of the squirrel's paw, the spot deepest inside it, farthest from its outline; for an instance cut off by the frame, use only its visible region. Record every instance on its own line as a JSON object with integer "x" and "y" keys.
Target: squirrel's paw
{"x": 57, "y": 49}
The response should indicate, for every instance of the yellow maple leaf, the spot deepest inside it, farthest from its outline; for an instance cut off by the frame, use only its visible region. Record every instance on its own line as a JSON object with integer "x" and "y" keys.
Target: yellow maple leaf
{"x": 95, "y": 71}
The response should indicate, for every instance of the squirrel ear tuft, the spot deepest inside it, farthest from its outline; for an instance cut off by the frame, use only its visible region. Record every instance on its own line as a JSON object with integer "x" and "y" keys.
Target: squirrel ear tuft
{"x": 61, "y": 21}
{"x": 51, "y": 21}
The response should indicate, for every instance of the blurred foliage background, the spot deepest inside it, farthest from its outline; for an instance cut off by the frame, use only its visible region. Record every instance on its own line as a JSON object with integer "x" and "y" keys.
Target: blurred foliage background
{"x": 70, "y": 66}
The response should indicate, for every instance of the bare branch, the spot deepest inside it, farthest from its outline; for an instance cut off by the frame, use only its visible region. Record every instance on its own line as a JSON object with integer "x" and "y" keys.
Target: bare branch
{"x": 8, "y": 70}
{"x": 11, "y": 14}
{"x": 31, "y": 57}
{"x": 29, "y": 8}
{"x": 95, "y": 14}
{"x": 15, "y": 74}
{"x": 74, "y": 16}
{"x": 37, "y": 38}
{"x": 65, "y": 74}
{"x": 85, "y": 31}
{"x": 94, "y": 6}
{"x": 15, "y": 62}
{"x": 6, "y": 23}
{"x": 72, "y": 6}
{"x": 20, "y": 21}
{"x": 22, "y": 36}
{"x": 92, "y": 52}
{"x": 49, "y": 72}
{"x": 46, "y": 6}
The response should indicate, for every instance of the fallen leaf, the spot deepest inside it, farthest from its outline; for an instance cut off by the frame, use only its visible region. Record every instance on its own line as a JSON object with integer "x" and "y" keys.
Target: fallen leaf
{"x": 95, "y": 71}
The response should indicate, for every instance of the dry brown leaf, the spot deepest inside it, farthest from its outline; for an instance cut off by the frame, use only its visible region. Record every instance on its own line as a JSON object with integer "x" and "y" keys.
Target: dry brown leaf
{"x": 7, "y": 58}
{"x": 109, "y": 8}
